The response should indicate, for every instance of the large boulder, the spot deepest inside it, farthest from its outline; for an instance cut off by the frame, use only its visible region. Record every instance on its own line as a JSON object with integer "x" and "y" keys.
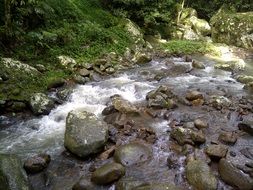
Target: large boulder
{"x": 233, "y": 28}
{"x": 85, "y": 134}
{"x": 41, "y": 104}
{"x": 199, "y": 175}
{"x": 12, "y": 175}
{"x": 190, "y": 27}
{"x": 233, "y": 176}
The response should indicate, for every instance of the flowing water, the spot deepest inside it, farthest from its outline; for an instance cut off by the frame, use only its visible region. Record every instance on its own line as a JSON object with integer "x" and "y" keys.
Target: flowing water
{"x": 46, "y": 134}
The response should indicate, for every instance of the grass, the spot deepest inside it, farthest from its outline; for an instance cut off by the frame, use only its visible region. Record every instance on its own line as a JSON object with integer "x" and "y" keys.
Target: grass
{"x": 190, "y": 47}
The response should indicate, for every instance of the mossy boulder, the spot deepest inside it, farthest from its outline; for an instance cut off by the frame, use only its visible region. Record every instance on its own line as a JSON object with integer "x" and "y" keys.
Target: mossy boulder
{"x": 233, "y": 28}
{"x": 199, "y": 175}
{"x": 12, "y": 175}
{"x": 41, "y": 104}
{"x": 85, "y": 134}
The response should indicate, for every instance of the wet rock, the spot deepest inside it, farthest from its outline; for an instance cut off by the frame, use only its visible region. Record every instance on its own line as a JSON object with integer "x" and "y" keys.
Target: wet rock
{"x": 12, "y": 175}
{"x": 128, "y": 184}
{"x": 228, "y": 137}
{"x": 56, "y": 83}
{"x": 199, "y": 175}
{"x": 85, "y": 134}
{"x": 37, "y": 163}
{"x": 219, "y": 102}
{"x": 200, "y": 124}
{"x": 246, "y": 127}
{"x": 109, "y": 110}
{"x": 216, "y": 151}
{"x": 244, "y": 79}
{"x": 158, "y": 186}
{"x": 40, "y": 104}
{"x": 83, "y": 184}
{"x": 141, "y": 58}
{"x": 198, "y": 65}
{"x": 124, "y": 106}
{"x": 161, "y": 98}
{"x": 198, "y": 137}
{"x": 64, "y": 93}
{"x": 80, "y": 80}
{"x": 247, "y": 152}
{"x": 233, "y": 176}
{"x": 84, "y": 72}
{"x": 108, "y": 153}
{"x": 110, "y": 70}
{"x": 108, "y": 173}
{"x": 131, "y": 154}
{"x": 172, "y": 161}
{"x": 181, "y": 135}
{"x": 249, "y": 86}
{"x": 234, "y": 65}
{"x": 194, "y": 95}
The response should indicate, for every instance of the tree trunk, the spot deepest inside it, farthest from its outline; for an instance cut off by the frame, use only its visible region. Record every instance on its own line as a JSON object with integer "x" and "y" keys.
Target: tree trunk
{"x": 7, "y": 19}
{"x": 180, "y": 11}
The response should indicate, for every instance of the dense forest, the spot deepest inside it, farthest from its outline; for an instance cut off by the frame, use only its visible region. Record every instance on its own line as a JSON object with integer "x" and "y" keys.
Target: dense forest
{"x": 126, "y": 94}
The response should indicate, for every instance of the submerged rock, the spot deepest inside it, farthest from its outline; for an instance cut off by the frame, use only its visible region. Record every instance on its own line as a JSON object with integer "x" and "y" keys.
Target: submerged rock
{"x": 85, "y": 134}
{"x": 131, "y": 154}
{"x": 233, "y": 176}
{"x": 129, "y": 184}
{"x": 41, "y": 104}
{"x": 12, "y": 175}
{"x": 194, "y": 95}
{"x": 246, "y": 127}
{"x": 199, "y": 175}
{"x": 108, "y": 173}
{"x": 158, "y": 186}
{"x": 37, "y": 163}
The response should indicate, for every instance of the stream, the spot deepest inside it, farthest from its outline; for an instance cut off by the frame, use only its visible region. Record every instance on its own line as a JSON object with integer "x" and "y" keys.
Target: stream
{"x": 46, "y": 133}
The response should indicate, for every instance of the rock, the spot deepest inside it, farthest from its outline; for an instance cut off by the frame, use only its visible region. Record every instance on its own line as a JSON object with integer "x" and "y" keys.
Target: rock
{"x": 233, "y": 28}
{"x": 198, "y": 137}
{"x": 199, "y": 175}
{"x": 131, "y": 154}
{"x": 108, "y": 173}
{"x": 12, "y": 175}
{"x": 41, "y": 68}
{"x": 249, "y": 86}
{"x": 56, "y": 83}
{"x": 128, "y": 184}
{"x": 132, "y": 28}
{"x": 67, "y": 61}
{"x": 194, "y": 95}
{"x": 84, "y": 184}
{"x": 37, "y": 163}
{"x": 216, "y": 151}
{"x": 246, "y": 127}
{"x": 244, "y": 79}
{"x": 200, "y": 124}
{"x": 85, "y": 134}
{"x": 219, "y": 102}
{"x": 141, "y": 58}
{"x": 64, "y": 93}
{"x": 198, "y": 65}
{"x": 181, "y": 135}
{"x": 110, "y": 70}
{"x": 41, "y": 104}
{"x": 84, "y": 72}
{"x": 109, "y": 110}
{"x": 123, "y": 106}
{"x": 228, "y": 137}
{"x": 172, "y": 161}
{"x": 233, "y": 65}
{"x": 158, "y": 186}
{"x": 233, "y": 176}
{"x": 17, "y": 107}
{"x": 80, "y": 80}
{"x": 247, "y": 152}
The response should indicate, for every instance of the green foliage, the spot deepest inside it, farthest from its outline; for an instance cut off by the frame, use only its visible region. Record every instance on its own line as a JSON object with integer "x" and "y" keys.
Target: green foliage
{"x": 207, "y": 10}
{"x": 189, "y": 47}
